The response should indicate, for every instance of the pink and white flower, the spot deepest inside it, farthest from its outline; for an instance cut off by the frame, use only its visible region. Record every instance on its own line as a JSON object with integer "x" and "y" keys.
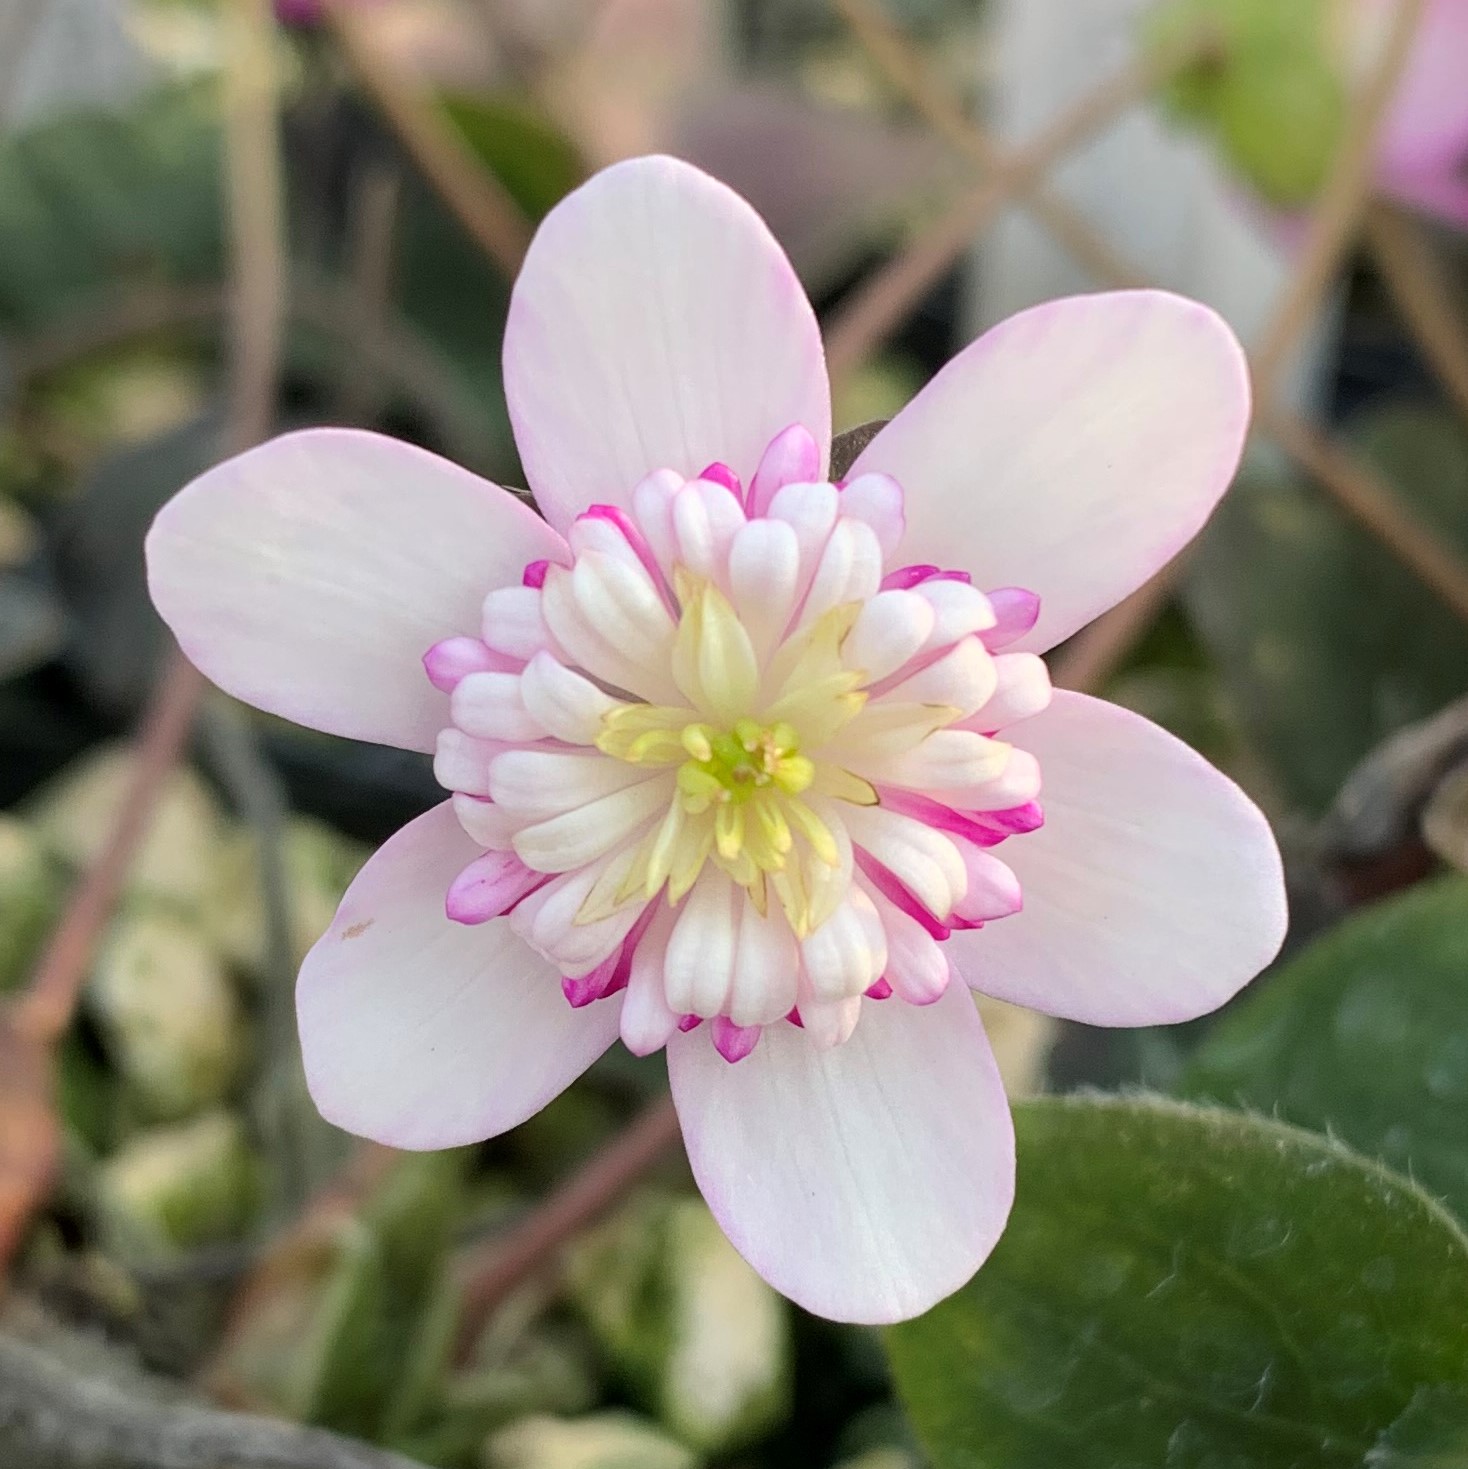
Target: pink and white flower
{"x": 1422, "y": 153}
{"x": 746, "y": 764}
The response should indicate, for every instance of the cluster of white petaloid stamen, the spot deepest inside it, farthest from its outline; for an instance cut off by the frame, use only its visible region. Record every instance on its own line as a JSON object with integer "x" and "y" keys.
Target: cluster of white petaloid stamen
{"x": 726, "y": 761}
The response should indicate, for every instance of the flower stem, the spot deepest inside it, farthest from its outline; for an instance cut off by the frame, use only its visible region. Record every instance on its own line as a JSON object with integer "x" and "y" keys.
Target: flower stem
{"x": 506, "y": 1262}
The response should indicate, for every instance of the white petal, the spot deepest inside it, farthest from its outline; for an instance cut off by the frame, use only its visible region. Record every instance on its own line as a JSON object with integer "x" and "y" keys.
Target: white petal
{"x": 1021, "y": 781}
{"x": 421, "y": 1032}
{"x": 1154, "y": 890}
{"x": 951, "y": 761}
{"x": 589, "y": 832}
{"x": 485, "y": 824}
{"x": 310, "y": 575}
{"x": 588, "y": 644}
{"x": 964, "y": 678}
{"x": 826, "y": 1023}
{"x": 888, "y": 631}
{"x": 547, "y": 920}
{"x": 462, "y": 764}
{"x": 764, "y": 576}
{"x": 652, "y": 504}
{"x": 897, "y": 1180}
{"x": 924, "y": 860}
{"x": 537, "y": 784}
{"x": 917, "y": 968}
{"x": 647, "y": 1019}
{"x": 877, "y": 500}
{"x": 1021, "y": 690}
{"x": 655, "y": 324}
{"x": 766, "y": 964}
{"x": 845, "y": 956}
{"x": 1072, "y": 450}
{"x": 849, "y": 570}
{"x": 958, "y": 610}
{"x": 511, "y": 622}
{"x": 706, "y": 518}
{"x": 810, "y": 511}
{"x": 567, "y": 705}
{"x": 700, "y": 963}
{"x": 488, "y": 707}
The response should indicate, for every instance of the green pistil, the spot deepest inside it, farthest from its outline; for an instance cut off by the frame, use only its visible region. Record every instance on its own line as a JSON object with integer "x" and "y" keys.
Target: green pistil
{"x": 732, "y": 766}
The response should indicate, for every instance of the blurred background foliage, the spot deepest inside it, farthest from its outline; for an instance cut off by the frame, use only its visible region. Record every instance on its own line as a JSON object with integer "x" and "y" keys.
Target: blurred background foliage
{"x": 199, "y": 1225}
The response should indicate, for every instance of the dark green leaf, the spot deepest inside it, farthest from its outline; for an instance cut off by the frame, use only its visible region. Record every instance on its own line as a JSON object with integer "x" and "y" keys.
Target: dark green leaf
{"x": 1189, "y": 1288}
{"x": 1431, "y": 1434}
{"x": 96, "y": 199}
{"x": 537, "y": 163}
{"x": 1365, "y": 1035}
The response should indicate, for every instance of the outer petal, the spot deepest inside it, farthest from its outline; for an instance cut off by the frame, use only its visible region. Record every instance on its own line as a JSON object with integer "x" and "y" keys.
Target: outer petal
{"x": 865, "y": 1182}
{"x": 422, "y": 1033}
{"x": 1152, "y": 894}
{"x": 1072, "y": 450}
{"x": 310, "y": 575}
{"x": 656, "y": 324}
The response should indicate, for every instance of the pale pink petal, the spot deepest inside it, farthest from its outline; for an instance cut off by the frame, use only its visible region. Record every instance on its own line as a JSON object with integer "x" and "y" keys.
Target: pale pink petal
{"x": 1152, "y": 893}
{"x": 1071, "y": 451}
{"x": 311, "y": 575}
{"x": 1441, "y": 192}
{"x": 865, "y": 1182}
{"x": 656, "y": 324}
{"x": 1427, "y": 123}
{"x": 423, "y": 1033}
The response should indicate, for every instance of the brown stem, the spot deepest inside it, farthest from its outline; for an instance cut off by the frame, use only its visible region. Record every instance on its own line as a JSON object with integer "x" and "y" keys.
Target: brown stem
{"x": 44, "y": 1011}
{"x": 903, "y": 66}
{"x": 1337, "y": 214}
{"x": 881, "y": 304}
{"x": 474, "y": 195}
{"x": 1415, "y": 277}
{"x": 1095, "y": 653}
{"x": 506, "y": 1262}
{"x": 1360, "y": 491}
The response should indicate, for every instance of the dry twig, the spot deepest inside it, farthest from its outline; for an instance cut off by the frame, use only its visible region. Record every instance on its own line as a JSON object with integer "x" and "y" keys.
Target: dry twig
{"x": 1337, "y": 215}
{"x": 864, "y": 322}
{"x": 1095, "y": 653}
{"x": 475, "y": 196}
{"x": 505, "y": 1262}
{"x": 1418, "y": 284}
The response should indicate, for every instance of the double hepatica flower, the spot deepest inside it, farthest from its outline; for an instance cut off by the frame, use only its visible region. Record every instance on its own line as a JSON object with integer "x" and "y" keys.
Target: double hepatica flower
{"x": 755, "y": 767}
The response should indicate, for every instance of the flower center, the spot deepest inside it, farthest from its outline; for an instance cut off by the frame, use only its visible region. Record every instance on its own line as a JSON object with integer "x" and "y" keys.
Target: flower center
{"x": 722, "y": 756}
{"x": 736, "y": 795}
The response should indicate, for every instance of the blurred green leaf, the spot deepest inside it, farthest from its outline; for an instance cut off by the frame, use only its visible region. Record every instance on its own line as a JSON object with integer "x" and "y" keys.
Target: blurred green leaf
{"x": 700, "y": 1339}
{"x": 1181, "y": 1287}
{"x": 1280, "y": 116}
{"x": 102, "y": 198}
{"x": 536, "y": 162}
{"x": 1325, "y": 641}
{"x": 1274, "y": 95}
{"x": 31, "y": 890}
{"x": 1365, "y": 1035}
{"x": 32, "y": 624}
